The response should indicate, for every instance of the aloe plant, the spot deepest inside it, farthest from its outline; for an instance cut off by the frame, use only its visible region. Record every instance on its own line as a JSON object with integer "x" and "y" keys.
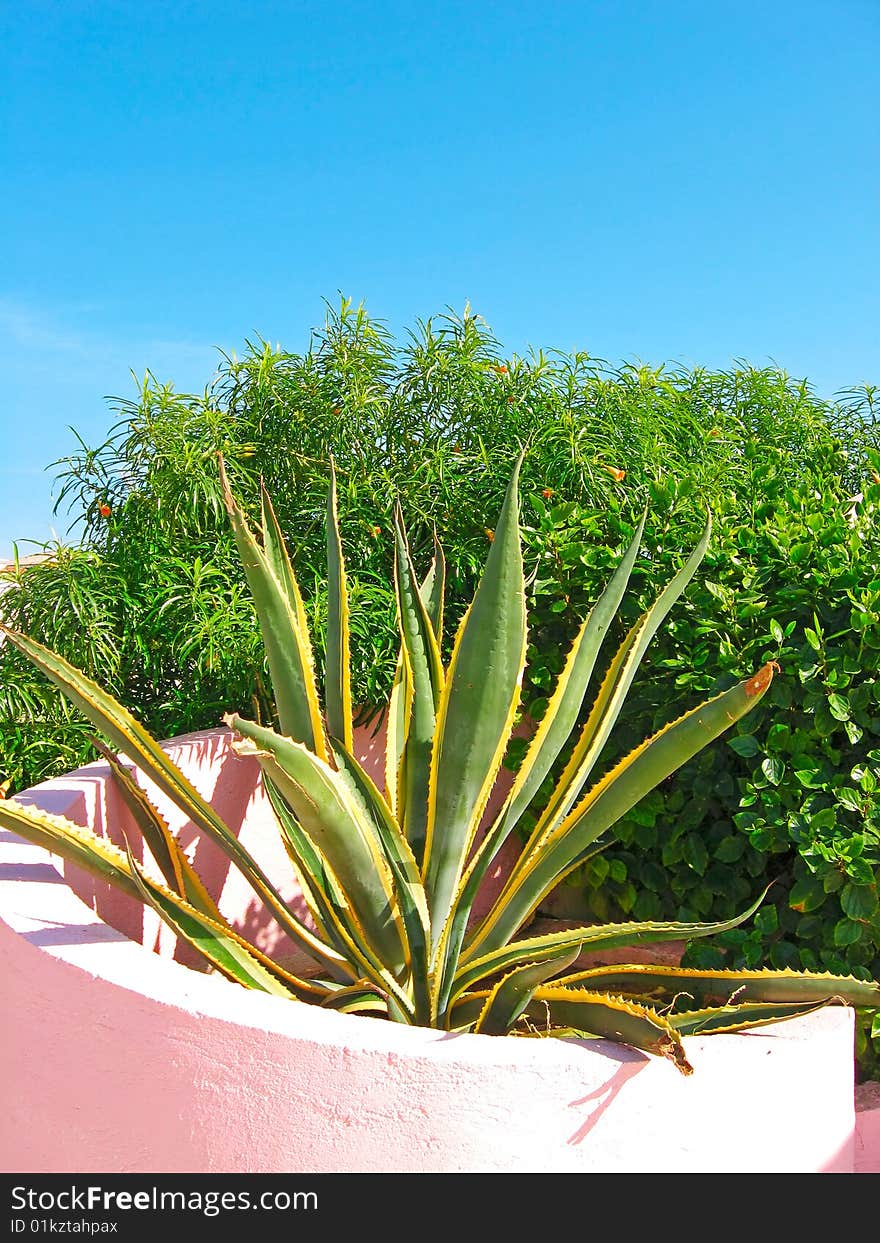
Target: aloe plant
{"x": 390, "y": 876}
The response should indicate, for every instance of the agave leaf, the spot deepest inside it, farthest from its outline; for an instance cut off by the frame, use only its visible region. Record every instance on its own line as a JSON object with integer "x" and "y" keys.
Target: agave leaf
{"x": 223, "y": 948}
{"x": 399, "y": 708}
{"x": 424, "y": 674}
{"x": 591, "y": 937}
{"x": 129, "y": 736}
{"x": 512, "y": 994}
{"x": 610, "y": 698}
{"x": 71, "y": 842}
{"x": 179, "y": 873}
{"x": 549, "y": 861}
{"x": 726, "y": 988}
{"x": 332, "y": 911}
{"x": 337, "y": 680}
{"x": 480, "y": 698}
{"x": 336, "y": 825}
{"x": 715, "y": 1020}
{"x": 600, "y": 1014}
{"x": 320, "y": 890}
{"x": 357, "y": 999}
{"x": 283, "y": 625}
{"x": 553, "y": 731}
{"x": 400, "y": 702}
{"x": 433, "y": 589}
{"x": 408, "y": 882}
{"x": 562, "y": 711}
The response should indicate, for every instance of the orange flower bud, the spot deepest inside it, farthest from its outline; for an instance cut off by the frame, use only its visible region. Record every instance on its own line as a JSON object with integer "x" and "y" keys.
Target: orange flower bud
{"x": 104, "y": 510}
{"x": 501, "y": 369}
{"x": 490, "y": 535}
{"x": 616, "y": 475}
{"x": 546, "y": 493}
{"x": 375, "y": 532}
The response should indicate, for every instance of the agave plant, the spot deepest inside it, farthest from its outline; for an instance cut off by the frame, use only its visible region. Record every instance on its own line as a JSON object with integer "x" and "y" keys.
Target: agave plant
{"x": 390, "y": 876}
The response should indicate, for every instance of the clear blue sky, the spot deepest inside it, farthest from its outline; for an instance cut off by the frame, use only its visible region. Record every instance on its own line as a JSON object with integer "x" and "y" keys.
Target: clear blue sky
{"x": 643, "y": 179}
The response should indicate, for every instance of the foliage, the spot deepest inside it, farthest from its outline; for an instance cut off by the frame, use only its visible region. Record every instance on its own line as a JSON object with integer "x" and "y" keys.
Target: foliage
{"x": 390, "y": 878}
{"x": 435, "y": 420}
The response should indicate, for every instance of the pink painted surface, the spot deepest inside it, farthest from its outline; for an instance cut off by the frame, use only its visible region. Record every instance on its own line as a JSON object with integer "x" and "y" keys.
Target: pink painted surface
{"x": 867, "y": 1142}
{"x": 126, "y": 1060}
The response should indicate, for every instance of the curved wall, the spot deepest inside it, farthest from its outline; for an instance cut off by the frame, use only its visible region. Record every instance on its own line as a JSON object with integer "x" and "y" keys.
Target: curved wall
{"x": 120, "y": 1059}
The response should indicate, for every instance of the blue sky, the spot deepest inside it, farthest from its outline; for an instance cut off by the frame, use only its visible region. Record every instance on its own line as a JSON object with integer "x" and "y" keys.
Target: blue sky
{"x": 663, "y": 180}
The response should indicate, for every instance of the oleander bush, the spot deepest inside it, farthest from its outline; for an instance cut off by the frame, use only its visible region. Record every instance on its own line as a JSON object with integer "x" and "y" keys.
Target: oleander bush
{"x": 154, "y": 605}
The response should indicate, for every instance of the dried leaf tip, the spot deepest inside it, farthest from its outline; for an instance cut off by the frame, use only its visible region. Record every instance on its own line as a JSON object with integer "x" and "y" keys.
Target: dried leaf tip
{"x": 762, "y": 679}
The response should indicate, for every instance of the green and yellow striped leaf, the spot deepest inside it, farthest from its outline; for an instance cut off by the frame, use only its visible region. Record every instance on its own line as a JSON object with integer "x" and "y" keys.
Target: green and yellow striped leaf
{"x": 610, "y": 698}
{"x": 335, "y": 823}
{"x": 221, "y": 946}
{"x": 509, "y": 998}
{"x": 71, "y": 842}
{"x": 480, "y": 966}
{"x": 337, "y": 677}
{"x": 129, "y": 736}
{"x": 545, "y": 866}
{"x": 283, "y": 625}
{"x": 179, "y": 873}
{"x": 424, "y": 676}
{"x": 480, "y": 697}
{"x": 614, "y": 1018}
{"x": 727, "y": 988}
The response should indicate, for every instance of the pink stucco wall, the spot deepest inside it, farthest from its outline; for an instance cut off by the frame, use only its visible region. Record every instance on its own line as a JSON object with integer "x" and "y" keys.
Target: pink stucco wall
{"x": 126, "y": 1060}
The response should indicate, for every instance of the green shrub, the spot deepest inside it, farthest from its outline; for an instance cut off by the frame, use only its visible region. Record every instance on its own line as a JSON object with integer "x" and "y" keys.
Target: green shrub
{"x": 155, "y": 606}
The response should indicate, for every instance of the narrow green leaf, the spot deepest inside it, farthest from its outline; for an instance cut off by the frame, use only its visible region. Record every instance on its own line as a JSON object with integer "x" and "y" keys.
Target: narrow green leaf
{"x": 550, "y": 860}
{"x": 337, "y": 683}
{"x": 611, "y": 695}
{"x": 599, "y": 1014}
{"x": 337, "y": 827}
{"x": 129, "y": 736}
{"x": 512, "y": 994}
{"x": 221, "y": 946}
{"x": 424, "y": 674}
{"x": 282, "y": 625}
{"x": 476, "y": 711}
